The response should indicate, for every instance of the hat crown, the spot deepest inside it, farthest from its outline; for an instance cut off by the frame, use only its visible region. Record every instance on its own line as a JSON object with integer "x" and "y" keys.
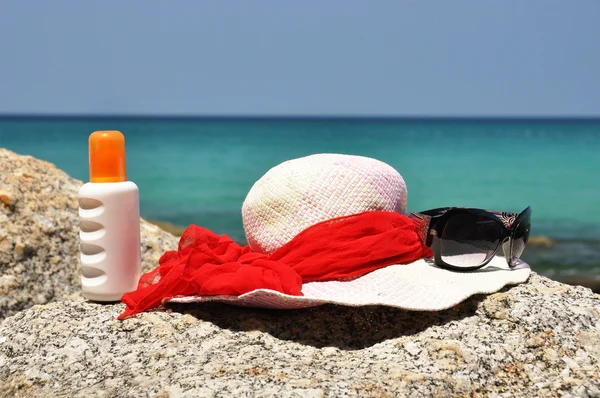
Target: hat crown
{"x": 302, "y": 192}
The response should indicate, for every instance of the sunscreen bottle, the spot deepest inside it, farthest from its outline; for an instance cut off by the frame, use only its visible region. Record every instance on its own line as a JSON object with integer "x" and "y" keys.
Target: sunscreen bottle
{"x": 109, "y": 220}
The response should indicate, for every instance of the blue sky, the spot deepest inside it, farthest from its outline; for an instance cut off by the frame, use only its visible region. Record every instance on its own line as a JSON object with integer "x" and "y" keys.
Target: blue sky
{"x": 310, "y": 57}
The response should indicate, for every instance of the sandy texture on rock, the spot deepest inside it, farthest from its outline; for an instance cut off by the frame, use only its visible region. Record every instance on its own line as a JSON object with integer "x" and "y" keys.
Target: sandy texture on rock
{"x": 39, "y": 241}
{"x": 538, "y": 339}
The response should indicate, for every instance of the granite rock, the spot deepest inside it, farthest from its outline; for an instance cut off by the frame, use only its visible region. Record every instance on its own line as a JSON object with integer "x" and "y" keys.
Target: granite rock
{"x": 537, "y": 339}
{"x": 39, "y": 241}
{"x": 540, "y": 338}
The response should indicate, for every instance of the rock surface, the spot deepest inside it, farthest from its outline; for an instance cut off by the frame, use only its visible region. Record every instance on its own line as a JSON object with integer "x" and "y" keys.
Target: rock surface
{"x": 538, "y": 339}
{"x": 39, "y": 241}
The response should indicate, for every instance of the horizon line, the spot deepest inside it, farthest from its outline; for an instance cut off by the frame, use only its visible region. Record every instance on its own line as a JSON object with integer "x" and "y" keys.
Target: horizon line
{"x": 324, "y": 117}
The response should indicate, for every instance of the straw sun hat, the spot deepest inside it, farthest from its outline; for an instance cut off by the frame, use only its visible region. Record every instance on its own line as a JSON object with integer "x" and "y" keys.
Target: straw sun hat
{"x": 300, "y": 193}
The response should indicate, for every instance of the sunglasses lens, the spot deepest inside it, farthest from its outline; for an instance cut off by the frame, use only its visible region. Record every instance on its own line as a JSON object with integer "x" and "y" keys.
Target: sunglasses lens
{"x": 469, "y": 240}
{"x": 521, "y": 236}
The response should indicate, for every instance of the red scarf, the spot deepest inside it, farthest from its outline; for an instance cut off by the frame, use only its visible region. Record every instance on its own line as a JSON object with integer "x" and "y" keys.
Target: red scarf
{"x": 208, "y": 264}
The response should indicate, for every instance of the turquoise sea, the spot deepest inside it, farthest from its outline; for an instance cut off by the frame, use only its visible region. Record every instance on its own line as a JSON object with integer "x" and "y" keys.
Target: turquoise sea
{"x": 199, "y": 170}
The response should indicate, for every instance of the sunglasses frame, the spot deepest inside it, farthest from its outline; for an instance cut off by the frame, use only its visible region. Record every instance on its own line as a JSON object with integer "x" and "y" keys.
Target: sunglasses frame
{"x": 436, "y": 220}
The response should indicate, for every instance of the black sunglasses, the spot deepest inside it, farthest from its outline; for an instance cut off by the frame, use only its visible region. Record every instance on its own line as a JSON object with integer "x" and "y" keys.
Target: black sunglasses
{"x": 465, "y": 239}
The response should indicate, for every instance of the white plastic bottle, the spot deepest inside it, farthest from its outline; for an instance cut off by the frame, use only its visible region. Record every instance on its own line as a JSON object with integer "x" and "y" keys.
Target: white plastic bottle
{"x": 109, "y": 222}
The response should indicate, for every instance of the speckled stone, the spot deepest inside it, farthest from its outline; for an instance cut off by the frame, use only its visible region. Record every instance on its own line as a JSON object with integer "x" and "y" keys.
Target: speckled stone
{"x": 538, "y": 339}
{"x": 39, "y": 241}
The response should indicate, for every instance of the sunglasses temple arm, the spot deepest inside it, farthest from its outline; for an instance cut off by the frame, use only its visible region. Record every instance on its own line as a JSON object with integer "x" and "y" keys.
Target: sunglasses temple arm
{"x": 507, "y": 249}
{"x": 423, "y": 223}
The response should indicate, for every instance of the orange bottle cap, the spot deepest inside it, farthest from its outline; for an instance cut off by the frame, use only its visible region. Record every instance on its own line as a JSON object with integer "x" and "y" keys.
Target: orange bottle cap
{"x": 107, "y": 156}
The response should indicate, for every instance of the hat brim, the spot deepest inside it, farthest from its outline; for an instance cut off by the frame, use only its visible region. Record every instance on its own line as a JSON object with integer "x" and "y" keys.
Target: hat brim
{"x": 418, "y": 286}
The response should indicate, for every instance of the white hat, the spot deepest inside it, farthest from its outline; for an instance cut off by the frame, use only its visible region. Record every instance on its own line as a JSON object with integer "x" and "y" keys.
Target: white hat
{"x": 302, "y": 192}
